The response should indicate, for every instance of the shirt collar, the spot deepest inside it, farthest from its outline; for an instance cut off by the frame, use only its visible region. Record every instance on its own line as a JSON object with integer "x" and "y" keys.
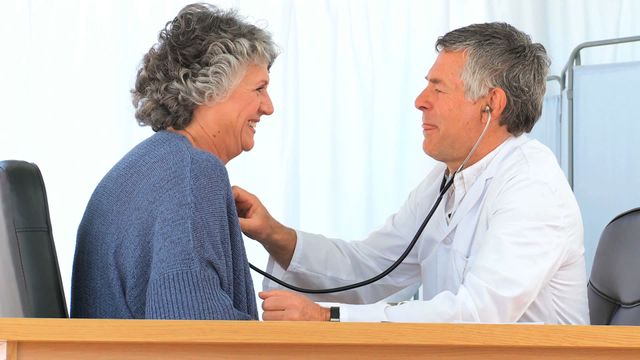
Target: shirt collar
{"x": 465, "y": 179}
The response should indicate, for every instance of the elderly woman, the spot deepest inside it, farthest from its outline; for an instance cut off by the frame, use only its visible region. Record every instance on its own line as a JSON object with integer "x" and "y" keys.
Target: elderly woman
{"x": 160, "y": 236}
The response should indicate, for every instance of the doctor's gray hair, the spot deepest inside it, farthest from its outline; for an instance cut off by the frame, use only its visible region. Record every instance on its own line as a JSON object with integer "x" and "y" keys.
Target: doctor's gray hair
{"x": 199, "y": 58}
{"x": 500, "y": 56}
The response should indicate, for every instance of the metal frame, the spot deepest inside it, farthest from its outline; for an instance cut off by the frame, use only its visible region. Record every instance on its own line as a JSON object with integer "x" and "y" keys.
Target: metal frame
{"x": 557, "y": 78}
{"x": 567, "y": 78}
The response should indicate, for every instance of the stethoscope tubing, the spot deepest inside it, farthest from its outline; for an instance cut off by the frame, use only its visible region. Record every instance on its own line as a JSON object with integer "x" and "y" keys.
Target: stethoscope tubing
{"x": 446, "y": 184}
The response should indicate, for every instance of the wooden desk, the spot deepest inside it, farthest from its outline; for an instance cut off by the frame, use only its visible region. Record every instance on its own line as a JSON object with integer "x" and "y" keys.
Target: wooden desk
{"x": 161, "y": 339}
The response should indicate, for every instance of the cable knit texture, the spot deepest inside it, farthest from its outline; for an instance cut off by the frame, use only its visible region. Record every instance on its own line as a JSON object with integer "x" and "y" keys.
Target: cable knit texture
{"x": 160, "y": 239}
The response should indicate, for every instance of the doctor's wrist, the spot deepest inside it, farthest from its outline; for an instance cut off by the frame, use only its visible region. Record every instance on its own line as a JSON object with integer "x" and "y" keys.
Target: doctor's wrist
{"x": 281, "y": 244}
{"x": 325, "y": 314}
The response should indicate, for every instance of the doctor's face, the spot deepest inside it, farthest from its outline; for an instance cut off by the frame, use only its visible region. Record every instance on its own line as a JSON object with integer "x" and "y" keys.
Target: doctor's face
{"x": 450, "y": 122}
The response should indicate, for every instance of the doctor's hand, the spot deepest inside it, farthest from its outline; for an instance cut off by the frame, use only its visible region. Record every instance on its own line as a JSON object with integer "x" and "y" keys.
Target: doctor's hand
{"x": 258, "y": 224}
{"x": 286, "y": 305}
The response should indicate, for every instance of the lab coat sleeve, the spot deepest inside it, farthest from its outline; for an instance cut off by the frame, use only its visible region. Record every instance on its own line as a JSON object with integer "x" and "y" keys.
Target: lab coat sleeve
{"x": 523, "y": 246}
{"x": 319, "y": 262}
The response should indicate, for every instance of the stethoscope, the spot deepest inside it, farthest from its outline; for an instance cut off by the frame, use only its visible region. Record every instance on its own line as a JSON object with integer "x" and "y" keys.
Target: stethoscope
{"x": 446, "y": 184}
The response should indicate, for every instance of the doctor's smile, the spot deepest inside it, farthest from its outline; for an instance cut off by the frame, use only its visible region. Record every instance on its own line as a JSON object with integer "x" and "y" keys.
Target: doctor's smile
{"x": 426, "y": 128}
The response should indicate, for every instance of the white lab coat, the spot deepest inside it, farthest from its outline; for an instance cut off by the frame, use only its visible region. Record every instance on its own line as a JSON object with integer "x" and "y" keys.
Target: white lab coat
{"x": 512, "y": 251}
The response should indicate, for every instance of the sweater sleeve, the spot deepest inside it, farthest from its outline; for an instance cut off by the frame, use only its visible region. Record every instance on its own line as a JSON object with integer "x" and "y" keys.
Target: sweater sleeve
{"x": 190, "y": 295}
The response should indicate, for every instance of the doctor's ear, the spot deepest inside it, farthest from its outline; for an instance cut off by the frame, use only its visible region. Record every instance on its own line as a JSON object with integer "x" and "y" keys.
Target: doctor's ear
{"x": 497, "y": 101}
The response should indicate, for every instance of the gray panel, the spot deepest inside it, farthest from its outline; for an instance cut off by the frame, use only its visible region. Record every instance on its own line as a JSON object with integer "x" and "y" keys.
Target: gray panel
{"x": 606, "y": 145}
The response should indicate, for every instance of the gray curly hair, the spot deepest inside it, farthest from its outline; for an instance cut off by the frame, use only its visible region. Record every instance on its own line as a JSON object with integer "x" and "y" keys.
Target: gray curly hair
{"x": 198, "y": 59}
{"x": 499, "y": 55}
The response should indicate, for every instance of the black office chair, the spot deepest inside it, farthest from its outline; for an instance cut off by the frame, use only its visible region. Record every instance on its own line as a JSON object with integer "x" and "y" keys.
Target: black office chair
{"x": 614, "y": 287}
{"x": 30, "y": 283}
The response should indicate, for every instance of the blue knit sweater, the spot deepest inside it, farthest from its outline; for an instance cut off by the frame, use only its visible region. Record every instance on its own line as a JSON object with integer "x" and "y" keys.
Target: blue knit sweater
{"x": 160, "y": 239}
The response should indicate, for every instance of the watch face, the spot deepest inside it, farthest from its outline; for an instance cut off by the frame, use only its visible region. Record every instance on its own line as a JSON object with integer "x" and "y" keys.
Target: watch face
{"x": 334, "y": 313}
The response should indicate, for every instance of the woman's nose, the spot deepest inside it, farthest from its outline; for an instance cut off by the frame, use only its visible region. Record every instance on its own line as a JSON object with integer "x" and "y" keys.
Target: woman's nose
{"x": 266, "y": 106}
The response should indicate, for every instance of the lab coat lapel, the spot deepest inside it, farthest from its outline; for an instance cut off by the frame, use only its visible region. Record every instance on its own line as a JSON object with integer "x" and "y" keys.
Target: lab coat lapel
{"x": 471, "y": 198}
{"x": 436, "y": 229}
{"x": 477, "y": 190}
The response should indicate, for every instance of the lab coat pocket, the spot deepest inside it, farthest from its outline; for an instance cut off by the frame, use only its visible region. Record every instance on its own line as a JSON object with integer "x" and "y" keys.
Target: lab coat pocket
{"x": 460, "y": 248}
{"x": 459, "y": 264}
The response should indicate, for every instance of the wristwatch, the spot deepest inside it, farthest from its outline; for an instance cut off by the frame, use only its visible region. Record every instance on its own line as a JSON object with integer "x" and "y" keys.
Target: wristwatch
{"x": 334, "y": 314}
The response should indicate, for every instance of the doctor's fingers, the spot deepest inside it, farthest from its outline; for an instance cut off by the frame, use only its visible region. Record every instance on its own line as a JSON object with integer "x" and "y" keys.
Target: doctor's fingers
{"x": 277, "y": 300}
{"x": 239, "y": 192}
{"x": 274, "y": 316}
{"x": 285, "y": 294}
{"x": 244, "y": 201}
{"x": 294, "y": 313}
{"x": 244, "y": 198}
{"x": 285, "y": 305}
{"x": 279, "y": 308}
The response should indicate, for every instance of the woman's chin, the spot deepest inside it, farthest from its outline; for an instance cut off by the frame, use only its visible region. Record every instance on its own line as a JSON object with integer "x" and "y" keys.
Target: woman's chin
{"x": 248, "y": 146}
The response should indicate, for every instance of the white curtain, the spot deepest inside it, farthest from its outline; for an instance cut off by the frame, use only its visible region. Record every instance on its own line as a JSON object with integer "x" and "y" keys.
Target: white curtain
{"x": 343, "y": 148}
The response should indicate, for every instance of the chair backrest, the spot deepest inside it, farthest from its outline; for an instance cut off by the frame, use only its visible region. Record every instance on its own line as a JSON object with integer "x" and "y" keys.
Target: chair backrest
{"x": 614, "y": 286}
{"x": 30, "y": 283}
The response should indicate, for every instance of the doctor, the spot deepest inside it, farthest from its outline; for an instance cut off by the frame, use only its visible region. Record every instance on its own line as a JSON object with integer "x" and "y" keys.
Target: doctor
{"x": 506, "y": 243}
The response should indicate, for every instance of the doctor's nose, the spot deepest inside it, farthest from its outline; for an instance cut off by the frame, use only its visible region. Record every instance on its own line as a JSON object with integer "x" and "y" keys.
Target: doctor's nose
{"x": 422, "y": 100}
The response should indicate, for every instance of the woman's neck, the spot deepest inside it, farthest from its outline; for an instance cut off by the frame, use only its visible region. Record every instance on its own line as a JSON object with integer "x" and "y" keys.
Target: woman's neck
{"x": 202, "y": 139}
